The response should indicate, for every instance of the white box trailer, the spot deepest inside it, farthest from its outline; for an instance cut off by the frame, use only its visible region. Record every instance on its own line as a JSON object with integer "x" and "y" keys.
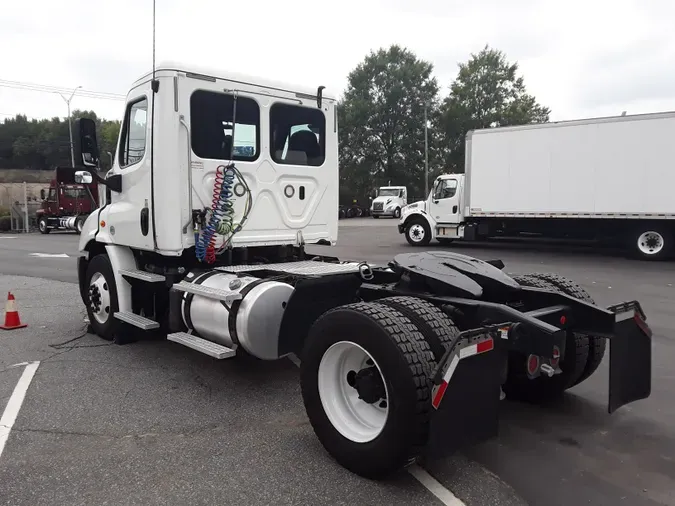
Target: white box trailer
{"x": 603, "y": 178}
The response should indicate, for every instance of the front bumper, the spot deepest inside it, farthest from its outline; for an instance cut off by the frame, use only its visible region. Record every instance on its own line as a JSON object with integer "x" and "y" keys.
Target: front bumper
{"x": 383, "y": 212}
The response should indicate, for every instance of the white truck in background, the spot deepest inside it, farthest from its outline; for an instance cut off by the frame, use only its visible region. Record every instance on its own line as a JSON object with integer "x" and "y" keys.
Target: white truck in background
{"x": 389, "y": 201}
{"x": 600, "y": 179}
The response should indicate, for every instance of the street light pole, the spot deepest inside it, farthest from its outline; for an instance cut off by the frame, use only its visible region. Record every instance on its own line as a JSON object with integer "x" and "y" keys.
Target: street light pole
{"x": 426, "y": 152}
{"x": 70, "y": 127}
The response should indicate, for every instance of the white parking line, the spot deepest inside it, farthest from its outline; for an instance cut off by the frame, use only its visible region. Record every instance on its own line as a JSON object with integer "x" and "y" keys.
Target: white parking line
{"x": 426, "y": 480}
{"x": 433, "y": 486}
{"x": 49, "y": 255}
{"x": 15, "y": 402}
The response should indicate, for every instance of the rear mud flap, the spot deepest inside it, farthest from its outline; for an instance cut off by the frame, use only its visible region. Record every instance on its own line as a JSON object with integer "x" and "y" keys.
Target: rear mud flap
{"x": 630, "y": 357}
{"x": 468, "y": 405}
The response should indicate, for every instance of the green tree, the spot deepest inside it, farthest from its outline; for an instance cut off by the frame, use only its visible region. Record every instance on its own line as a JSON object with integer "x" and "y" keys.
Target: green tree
{"x": 486, "y": 93}
{"x": 381, "y": 121}
{"x": 45, "y": 144}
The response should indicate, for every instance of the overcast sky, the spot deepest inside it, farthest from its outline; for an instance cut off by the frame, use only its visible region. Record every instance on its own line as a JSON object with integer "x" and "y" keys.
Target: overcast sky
{"x": 582, "y": 58}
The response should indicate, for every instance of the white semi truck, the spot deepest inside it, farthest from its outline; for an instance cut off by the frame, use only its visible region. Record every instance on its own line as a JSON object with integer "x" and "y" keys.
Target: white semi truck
{"x": 389, "y": 201}
{"x": 203, "y": 243}
{"x": 607, "y": 179}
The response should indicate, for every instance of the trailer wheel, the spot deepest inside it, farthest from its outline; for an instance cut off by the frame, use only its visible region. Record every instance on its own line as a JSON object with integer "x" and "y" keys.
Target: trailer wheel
{"x": 365, "y": 379}
{"x": 573, "y": 364}
{"x": 42, "y": 225}
{"x": 102, "y": 296}
{"x": 417, "y": 232}
{"x": 438, "y": 330}
{"x": 596, "y": 345}
{"x": 653, "y": 243}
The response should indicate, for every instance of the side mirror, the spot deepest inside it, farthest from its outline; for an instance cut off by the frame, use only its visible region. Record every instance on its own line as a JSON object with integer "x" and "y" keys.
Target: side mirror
{"x": 85, "y": 144}
{"x": 83, "y": 177}
{"x": 43, "y": 195}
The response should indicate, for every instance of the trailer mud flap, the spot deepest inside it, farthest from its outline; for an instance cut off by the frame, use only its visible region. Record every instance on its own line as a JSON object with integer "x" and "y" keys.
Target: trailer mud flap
{"x": 466, "y": 396}
{"x": 630, "y": 357}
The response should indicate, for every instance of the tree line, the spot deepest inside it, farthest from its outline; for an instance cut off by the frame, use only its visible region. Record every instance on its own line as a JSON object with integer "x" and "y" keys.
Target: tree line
{"x": 381, "y": 118}
{"x": 45, "y": 144}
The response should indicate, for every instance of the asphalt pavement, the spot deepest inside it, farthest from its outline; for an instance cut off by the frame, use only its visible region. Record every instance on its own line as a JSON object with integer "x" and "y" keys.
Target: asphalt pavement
{"x": 155, "y": 423}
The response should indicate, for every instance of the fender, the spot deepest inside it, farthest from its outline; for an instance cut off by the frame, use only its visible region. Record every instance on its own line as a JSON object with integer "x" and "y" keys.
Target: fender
{"x": 88, "y": 234}
{"x": 121, "y": 257}
{"x": 409, "y": 214}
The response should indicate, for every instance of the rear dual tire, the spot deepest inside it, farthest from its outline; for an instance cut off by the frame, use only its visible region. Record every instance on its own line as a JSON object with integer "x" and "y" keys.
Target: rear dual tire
{"x": 583, "y": 353}
{"x": 377, "y": 342}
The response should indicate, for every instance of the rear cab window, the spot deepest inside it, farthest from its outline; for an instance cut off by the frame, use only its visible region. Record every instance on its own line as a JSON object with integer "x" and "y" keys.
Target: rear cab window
{"x": 297, "y": 135}
{"x": 213, "y": 133}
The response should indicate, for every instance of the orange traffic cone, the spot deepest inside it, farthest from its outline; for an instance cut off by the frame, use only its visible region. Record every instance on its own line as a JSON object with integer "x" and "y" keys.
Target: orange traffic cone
{"x": 12, "y": 320}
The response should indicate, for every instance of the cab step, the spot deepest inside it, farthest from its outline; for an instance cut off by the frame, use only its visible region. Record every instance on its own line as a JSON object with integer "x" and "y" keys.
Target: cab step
{"x": 207, "y": 291}
{"x": 137, "y": 320}
{"x": 209, "y": 348}
{"x": 149, "y": 277}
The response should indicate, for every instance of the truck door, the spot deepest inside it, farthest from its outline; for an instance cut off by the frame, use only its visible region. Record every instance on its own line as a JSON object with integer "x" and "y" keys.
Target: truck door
{"x": 129, "y": 214}
{"x": 51, "y": 203}
{"x": 445, "y": 201}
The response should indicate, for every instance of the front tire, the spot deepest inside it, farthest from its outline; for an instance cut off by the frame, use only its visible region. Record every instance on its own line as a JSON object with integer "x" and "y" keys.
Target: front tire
{"x": 42, "y": 225}
{"x": 418, "y": 232}
{"x": 397, "y": 213}
{"x": 79, "y": 223}
{"x": 101, "y": 296}
{"x": 365, "y": 379}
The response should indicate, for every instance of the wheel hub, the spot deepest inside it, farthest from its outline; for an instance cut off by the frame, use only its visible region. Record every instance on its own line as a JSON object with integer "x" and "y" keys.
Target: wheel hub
{"x": 417, "y": 232}
{"x": 353, "y": 391}
{"x": 99, "y": 298}
{"x": 368, "y": 383}
{"x": 650, "y": 243}
{"x": 95, "y": 298}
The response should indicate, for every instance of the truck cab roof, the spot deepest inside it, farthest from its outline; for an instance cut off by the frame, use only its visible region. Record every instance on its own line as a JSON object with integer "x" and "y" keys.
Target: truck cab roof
{"x": 212, "y": 74}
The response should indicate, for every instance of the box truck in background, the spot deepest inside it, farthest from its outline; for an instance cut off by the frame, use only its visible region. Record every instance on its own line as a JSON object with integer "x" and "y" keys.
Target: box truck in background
{"x": 601, "y": 179}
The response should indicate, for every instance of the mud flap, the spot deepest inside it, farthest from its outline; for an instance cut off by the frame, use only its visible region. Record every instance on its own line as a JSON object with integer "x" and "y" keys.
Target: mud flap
{"x": 466, "y": 396}
{"x": 630, "y": 357}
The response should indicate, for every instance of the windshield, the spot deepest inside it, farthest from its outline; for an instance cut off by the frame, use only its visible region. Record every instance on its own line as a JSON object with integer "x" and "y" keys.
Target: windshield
{"x": 388, "y": 192}
{"x": 75, "y": 193}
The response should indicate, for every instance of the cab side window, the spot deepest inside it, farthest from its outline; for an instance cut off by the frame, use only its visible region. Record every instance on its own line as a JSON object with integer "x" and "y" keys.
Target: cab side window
{"x": 51, "y": 196}
{"x": 445, "y": 189}
{"x": 134, "y": 133}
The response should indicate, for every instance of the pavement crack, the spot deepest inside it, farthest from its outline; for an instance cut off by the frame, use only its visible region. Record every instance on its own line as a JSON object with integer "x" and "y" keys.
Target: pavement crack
{"x": 141, "y": 435}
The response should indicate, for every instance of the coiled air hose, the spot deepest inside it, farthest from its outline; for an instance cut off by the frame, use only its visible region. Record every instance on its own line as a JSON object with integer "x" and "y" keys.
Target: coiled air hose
{"x": 221, "y": 219}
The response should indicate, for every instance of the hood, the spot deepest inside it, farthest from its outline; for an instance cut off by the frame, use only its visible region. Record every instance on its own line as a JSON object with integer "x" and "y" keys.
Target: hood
{"x": 384, "y": 200}
{"x": 420, "y": 204}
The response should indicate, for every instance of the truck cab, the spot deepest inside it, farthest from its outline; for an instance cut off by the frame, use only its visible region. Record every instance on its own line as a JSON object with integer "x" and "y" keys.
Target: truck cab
{"x": 389, "y": 201}
{"x": 66, "y": 204}
{"x": 440, "y": 216}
